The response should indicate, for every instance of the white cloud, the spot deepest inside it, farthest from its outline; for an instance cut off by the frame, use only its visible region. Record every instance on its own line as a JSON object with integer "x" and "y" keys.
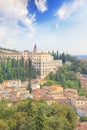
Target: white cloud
{"x": 67, "y": 9}
{"x": 29, "y": 36}
{"x": 41, "y": 5}
{"x": 13, "y": 7}
{"x": 15, "y": 20}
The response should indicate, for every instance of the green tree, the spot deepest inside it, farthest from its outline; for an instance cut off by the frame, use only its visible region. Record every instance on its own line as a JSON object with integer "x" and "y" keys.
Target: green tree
{"x": 40, "y": 119}
{"x": 11, "y": 123}
{"x": 29, "y": 85}
{"x": 71, "y": 116}
{"x": 83, "y": 119}
{"x": 3, "y": 125}
{"x": 49, "y": 82}
{"x": 51, "y": 76}
{"x": 16, "y": 69}
{"x": 21, "y": 120}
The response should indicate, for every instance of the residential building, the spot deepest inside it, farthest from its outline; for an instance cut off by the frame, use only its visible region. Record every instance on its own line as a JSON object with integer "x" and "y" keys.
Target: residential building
{"x": 4, "y": 94}
{"x": 12, "y": 83}
{"x": 71, "y": 90}
{"x": 82, "y": 110}
{"x": 77, "y": 101}
{"x": 35, "y": 86}
{"x": 21, "y": 92}
{"x": 54, "y": 92}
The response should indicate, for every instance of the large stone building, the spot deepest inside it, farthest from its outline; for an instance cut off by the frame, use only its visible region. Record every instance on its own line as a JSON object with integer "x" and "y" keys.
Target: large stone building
{"x": 12, "y": 55}
{"x": 42, "y": 62}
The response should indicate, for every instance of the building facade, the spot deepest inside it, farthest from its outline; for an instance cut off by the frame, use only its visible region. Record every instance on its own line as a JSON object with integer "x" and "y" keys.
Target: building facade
{"x": 82, "y": 111}
{"x": 12, "y": 83}
{"x": 76, "y": 102}
{"x": 42, "y": 62}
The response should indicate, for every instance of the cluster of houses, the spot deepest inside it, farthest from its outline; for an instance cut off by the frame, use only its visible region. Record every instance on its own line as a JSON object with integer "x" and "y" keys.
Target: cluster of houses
{"x": 56, "y": 94}
{"x": 79, "y": 103}
{"x": 14, "y": 90}
{"x": 83, "y": 81}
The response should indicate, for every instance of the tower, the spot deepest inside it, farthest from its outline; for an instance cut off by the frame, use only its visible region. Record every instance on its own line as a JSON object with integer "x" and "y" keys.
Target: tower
{"x": 35, "y": 49}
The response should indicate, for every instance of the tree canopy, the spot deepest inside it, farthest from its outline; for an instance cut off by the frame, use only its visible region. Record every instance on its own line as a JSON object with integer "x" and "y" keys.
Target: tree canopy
{"x": 16, "y": 69}
{"x": 33, "y": 115}
{"x": 64, "y": 77}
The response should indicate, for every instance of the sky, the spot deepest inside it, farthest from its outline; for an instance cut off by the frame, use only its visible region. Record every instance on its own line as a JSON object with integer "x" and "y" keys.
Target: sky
{"x": 50, "y": 24}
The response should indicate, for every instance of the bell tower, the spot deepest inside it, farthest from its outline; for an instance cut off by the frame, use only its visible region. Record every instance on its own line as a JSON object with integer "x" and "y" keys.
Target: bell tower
{"x": 35, "y": 49}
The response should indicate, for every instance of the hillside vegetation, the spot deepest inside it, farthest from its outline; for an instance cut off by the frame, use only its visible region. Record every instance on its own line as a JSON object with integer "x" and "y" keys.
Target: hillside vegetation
{"x": 32, "y": 115}
{"x": 77, "y": 65}
{"x": 64, "y": 77}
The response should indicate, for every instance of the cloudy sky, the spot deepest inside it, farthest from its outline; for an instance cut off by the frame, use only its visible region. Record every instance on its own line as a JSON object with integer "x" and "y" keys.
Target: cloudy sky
{"x": 51, "y": 24}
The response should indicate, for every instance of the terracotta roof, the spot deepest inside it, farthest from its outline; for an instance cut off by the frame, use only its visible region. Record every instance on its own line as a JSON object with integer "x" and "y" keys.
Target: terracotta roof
{"x": 81, "y": 126}
{"x": 83, "y": 107}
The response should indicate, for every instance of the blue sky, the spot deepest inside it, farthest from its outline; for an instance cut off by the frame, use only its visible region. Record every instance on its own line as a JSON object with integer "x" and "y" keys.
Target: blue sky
{"x": 51, "y": 24}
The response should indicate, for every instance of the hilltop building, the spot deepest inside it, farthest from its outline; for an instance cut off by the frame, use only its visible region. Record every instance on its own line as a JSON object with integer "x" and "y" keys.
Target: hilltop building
{"x": 42, "y": 62}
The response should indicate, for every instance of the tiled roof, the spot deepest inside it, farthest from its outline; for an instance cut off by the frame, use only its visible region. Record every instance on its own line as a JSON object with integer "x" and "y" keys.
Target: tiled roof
{"x": 81, "y": 126}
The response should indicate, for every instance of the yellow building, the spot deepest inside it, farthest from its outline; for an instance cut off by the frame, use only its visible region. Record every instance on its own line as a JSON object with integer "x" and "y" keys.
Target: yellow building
{"x": 56, "y": 89}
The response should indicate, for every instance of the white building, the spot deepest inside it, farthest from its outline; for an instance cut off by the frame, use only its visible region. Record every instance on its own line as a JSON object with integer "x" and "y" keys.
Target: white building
{"x": 35, "y": 86}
